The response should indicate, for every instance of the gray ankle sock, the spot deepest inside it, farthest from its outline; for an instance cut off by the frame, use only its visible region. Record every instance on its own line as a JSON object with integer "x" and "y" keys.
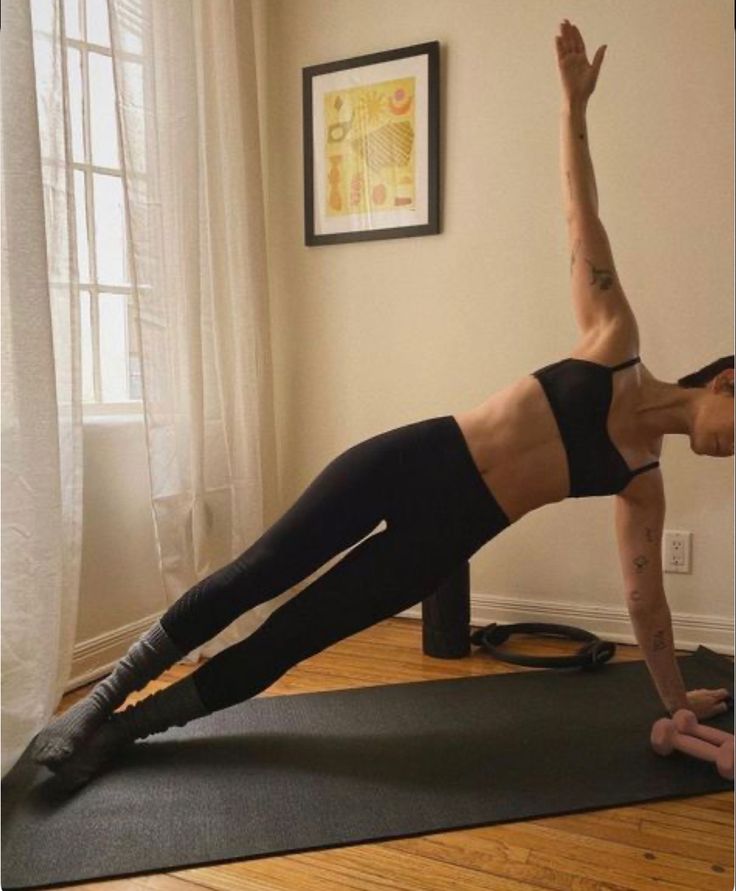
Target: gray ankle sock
{"x": 151, "y": 654}
{"x": 175, "y": 705}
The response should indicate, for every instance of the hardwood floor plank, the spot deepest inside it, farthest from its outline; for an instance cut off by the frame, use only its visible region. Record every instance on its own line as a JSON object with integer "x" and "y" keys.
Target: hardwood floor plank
{"x": 633, "y": 861}
{"x": 689, "y": 808}
{"x": 711, "y": 846}
{"x": 613, "y": 873}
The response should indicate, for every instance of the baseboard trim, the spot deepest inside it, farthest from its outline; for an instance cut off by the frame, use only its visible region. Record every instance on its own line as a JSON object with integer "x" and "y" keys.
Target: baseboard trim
{"x": 609, "y": 623}
{"x": 97, "y": 656}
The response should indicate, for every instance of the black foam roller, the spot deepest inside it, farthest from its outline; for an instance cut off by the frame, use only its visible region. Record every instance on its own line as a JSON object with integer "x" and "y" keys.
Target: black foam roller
{"x": 446, "y": 617}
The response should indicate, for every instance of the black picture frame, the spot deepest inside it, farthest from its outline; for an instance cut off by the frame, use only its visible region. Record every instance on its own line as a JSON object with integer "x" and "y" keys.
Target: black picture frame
{"x": 391, "y": 127}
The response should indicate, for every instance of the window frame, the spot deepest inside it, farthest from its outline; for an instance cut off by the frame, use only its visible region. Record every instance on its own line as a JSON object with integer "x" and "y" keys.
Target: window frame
{"x": 97, "y": 406}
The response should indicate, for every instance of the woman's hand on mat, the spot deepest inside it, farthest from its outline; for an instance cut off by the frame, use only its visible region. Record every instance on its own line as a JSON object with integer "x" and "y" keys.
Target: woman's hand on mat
{"x": 578, "y": 76}
{"x": 708, "y": 703}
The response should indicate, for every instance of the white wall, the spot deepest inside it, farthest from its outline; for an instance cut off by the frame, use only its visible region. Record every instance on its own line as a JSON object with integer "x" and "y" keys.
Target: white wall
{"x": 369, "y": 336}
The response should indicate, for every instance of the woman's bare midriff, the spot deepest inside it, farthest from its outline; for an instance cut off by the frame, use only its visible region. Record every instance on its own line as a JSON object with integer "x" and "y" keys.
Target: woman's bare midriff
{"x": 515, "y": 442}
{"x": 516, "y": 446}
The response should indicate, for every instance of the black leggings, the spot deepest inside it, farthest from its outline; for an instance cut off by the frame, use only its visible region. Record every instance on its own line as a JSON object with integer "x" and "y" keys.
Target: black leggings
{"x": 420, "y": 478}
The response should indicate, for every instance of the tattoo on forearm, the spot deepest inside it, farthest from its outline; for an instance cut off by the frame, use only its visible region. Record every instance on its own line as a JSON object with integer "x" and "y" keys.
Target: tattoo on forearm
{"x": 660, "y": 640}
{"x": 641, "y": 563}
{"x": 604, "y": 278}
{"x": 649, "y": 534}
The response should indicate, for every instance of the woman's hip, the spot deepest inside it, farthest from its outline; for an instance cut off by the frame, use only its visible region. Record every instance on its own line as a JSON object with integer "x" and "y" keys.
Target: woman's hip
{"x": 438, "y": 497}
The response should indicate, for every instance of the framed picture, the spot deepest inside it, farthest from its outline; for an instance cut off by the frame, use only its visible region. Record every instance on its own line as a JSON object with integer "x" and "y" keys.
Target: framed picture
{"x": 371, "y": 146}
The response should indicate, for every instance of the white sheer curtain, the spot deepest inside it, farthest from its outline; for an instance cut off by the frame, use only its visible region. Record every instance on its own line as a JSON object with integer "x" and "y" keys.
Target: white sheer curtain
{"x": 187, "y": 117}
{"x": 185, "y": 78}
{"x": 41, "y": 385}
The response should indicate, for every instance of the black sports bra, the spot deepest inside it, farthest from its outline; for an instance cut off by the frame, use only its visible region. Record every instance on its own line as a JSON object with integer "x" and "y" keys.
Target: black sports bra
{"x": 579, "y": 393}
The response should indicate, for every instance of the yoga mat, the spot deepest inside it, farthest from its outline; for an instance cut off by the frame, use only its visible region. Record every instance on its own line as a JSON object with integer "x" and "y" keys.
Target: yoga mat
{"x": 283, "y": 774}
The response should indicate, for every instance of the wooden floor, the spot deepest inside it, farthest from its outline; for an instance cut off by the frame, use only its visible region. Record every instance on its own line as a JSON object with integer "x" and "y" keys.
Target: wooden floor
{"x": 681, "y": 844}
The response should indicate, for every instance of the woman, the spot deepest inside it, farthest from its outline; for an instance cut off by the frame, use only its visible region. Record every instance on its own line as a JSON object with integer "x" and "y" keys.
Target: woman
{"x": 590, "y": 424}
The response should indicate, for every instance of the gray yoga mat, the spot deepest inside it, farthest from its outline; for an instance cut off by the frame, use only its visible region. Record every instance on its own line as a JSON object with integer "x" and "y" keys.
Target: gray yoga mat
{"x": 283, "y": 774}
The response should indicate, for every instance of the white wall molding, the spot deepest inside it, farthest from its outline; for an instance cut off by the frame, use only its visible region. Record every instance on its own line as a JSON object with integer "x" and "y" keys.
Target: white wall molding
{"x": 608, "y": 623}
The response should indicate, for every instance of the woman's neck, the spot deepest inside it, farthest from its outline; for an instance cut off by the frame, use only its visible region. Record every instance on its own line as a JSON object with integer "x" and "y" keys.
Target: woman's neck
{"x": 666, "y": 408}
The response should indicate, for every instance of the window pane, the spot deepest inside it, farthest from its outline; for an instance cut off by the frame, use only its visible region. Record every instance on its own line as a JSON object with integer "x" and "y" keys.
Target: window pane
{"x": 42, "y": 15}
{"x": 88, "y": 390}
{"x": 132, "y": 98}
{"x": 74, "y": 69}
{"x": 82, "y": 234}
{"x": 130, "y": 24}
{"x": 103, "y": 121}
{"x": 114, "y": 347}
{"x": 97, "y": 26}
{"x": 72, "y": 19}
{"x": 110, "y": 230}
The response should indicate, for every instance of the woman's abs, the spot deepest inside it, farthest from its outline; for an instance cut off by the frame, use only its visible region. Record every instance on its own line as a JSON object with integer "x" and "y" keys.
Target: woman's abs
{"x": 516, "y": 446}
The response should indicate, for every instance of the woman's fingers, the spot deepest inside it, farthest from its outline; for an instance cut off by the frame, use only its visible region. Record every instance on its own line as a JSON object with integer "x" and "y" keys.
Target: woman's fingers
{"x": 569, "y": 35}
{"x": 578, "y": 39}
{"x": 571, "y": 40}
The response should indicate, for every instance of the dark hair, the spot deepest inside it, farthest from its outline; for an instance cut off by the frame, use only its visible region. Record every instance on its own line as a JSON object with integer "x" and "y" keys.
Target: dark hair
{"x": 706, "y": 374}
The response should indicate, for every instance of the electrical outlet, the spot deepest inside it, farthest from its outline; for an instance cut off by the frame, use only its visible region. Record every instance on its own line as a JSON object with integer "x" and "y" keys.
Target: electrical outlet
{"x": 676, "y": 556}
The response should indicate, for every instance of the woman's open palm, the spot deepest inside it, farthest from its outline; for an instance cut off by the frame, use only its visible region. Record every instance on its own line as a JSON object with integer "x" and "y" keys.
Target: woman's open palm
{"x": 578, "y": 76}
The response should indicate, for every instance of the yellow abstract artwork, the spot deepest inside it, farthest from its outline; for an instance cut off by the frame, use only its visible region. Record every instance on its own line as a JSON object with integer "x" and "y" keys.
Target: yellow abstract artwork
{"x": 369, "y": 148}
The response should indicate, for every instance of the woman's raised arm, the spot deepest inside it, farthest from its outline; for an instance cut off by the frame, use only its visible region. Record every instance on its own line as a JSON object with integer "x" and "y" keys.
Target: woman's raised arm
{"x": 578, "y": 82}
{"x": 597, "y": 294}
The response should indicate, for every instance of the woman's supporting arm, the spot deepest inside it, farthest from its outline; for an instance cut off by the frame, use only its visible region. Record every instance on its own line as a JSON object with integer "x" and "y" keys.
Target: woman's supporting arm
{"x": 653, "y": 632}
{"x": 640, "y": 515}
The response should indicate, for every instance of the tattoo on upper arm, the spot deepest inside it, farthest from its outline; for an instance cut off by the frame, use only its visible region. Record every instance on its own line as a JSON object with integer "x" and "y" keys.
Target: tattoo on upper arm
{"x": 641, "y": 563}
{"x": 604, "y": 278}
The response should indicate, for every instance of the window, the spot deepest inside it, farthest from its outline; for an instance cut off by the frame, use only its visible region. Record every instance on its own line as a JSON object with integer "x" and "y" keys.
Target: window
{"x": 110, "y": 351}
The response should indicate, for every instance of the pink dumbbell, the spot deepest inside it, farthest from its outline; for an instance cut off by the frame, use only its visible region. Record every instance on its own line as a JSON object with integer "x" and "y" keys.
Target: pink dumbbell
{"x": 686, "y": 722}
{"x": 666, "y": 737}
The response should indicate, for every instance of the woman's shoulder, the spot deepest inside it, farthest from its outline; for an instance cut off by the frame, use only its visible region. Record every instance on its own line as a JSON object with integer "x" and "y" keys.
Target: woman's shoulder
{"x": 611, "y": 346}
